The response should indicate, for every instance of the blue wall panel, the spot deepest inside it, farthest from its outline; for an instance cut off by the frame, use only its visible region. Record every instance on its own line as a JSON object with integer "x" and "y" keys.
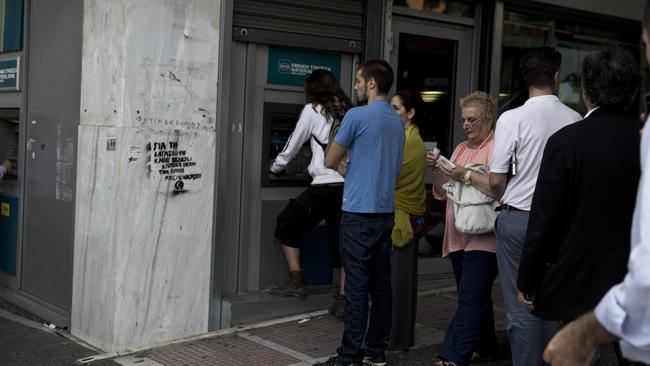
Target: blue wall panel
{"x": 13, "y": 30}
{"x": 8, "y": 233}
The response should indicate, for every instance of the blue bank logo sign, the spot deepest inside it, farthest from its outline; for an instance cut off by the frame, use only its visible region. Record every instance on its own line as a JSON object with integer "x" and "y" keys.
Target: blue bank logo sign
{"x": 9, "y": 74}
{"x": 291, "y": 66}
{"x": 284, "y": 66}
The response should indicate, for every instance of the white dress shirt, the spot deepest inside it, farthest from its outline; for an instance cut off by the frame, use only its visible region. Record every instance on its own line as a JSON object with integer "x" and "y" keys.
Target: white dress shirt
{"x": 625, "y": 309}
{"x": 524, "y": 131}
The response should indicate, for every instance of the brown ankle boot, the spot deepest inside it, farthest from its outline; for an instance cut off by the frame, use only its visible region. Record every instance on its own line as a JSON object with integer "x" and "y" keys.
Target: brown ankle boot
{"x": 295, "y": 286}
{"x": 337, "y": 309}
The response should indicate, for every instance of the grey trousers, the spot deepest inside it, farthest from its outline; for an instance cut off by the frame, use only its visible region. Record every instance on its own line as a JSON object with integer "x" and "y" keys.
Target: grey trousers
{"x": 404, "y": 280}
{"x": 528, "y": 334}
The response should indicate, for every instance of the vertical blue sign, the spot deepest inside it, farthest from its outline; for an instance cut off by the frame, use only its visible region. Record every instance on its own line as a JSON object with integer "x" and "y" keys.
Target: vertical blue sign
{"x": 291, "y": 67}
{"x": 12, "y": 35}
{"x": 9, "y": 74}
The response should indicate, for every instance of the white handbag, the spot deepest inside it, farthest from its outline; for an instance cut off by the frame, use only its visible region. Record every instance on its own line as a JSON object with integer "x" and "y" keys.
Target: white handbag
{"x": 474, "y": 211}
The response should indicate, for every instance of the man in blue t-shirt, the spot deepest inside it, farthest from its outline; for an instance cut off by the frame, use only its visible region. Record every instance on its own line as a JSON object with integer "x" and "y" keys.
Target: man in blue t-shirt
{"x": 373, "y": 137}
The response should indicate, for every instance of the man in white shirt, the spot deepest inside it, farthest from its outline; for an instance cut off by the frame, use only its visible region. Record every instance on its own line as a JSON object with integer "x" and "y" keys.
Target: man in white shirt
{"x": 519, "y": 141}
{"x": 624, "y": 313}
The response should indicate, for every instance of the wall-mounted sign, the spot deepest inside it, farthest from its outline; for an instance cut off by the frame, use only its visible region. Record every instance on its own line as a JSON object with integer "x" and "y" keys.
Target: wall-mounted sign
{"x": 9, "y": 74}
{"x": 291, "y": 67}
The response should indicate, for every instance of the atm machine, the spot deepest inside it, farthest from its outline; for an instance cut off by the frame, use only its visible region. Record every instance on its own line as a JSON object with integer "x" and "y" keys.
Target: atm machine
{"x": 268, "y": 100}
{"x": 279, "y": 121}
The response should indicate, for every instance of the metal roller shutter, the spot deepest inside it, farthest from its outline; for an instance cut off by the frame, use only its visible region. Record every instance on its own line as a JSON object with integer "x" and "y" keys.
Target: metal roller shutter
{"x": 331, "y": 24}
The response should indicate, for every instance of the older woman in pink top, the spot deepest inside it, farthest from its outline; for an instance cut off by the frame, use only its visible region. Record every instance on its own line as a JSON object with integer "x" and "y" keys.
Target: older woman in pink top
{"x": 471, "y": 332}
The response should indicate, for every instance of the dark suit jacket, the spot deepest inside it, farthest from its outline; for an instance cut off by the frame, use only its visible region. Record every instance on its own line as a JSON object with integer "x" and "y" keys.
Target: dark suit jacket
{"x": 578, "y": 238}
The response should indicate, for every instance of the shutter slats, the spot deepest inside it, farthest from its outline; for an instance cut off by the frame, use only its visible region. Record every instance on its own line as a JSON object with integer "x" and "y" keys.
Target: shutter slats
{"x": 333, "y": 18}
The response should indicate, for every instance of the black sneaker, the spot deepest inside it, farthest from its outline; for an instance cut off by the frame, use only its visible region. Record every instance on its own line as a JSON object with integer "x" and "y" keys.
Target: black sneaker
{"x": 332, "y": 362}
{"x": 375, "y": 361}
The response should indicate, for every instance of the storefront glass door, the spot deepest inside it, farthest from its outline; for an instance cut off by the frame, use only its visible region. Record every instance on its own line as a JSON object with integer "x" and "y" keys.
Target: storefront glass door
{"x": 434, "y": 60}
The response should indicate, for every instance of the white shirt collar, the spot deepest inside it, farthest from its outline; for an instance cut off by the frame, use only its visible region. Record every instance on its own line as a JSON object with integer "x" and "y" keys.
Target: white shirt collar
{"x": 590, "y": 112}
{"x": 542, "y": 98}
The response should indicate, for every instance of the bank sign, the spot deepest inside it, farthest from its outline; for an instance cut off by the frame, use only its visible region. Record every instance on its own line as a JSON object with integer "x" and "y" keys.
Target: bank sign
{"x": 9, "y": 74}
{"x": 291, "y": 67}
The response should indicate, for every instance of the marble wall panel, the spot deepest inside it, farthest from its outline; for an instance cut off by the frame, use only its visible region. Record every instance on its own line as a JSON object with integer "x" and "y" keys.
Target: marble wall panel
{"x": 171, "y": 75}
{"x": 142, "y": 250}
{"x": 150, "y": 63}
{"x": 93, "y": 298}
{"x": 103, "y": 62}
{"x": 145, "y": 179}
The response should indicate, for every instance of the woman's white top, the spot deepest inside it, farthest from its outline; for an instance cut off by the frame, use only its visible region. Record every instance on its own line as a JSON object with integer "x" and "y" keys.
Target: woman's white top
{"x": 312, "y": 126}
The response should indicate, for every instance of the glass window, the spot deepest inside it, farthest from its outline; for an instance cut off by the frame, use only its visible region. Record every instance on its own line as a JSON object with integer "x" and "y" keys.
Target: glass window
{"x": 457, "y": 8}
{"x": 11, "y": 25}
{"x": 426, "y": 65}
{"x": 572, "y": 39}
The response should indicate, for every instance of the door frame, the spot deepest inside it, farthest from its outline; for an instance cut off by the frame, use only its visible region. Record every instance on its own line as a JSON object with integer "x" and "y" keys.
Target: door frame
{"x": 465, "y": 35}
{"x": 464, "y": 82}
{"x": 250, "y": 91}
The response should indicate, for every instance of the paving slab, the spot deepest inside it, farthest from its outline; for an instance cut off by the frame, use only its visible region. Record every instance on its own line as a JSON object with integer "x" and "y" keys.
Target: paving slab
{"x": 230, "y": 350}
{"x": 316, "y": 337}
{"x": 22, "y": 345}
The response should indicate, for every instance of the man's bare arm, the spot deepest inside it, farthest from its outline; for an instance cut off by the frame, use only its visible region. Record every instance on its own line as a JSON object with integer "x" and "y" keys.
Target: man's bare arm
{"x": 335, "y": 153}
{"x": 498, "y": 183}
{"x": 576, "y": 343}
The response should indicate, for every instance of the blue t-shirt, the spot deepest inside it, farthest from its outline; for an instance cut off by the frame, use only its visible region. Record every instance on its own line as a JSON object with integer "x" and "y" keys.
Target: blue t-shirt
{"x": 374, "y": 137}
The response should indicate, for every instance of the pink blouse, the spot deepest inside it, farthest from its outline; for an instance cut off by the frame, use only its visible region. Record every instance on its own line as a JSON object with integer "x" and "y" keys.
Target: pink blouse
{"x": 455, "y": 240}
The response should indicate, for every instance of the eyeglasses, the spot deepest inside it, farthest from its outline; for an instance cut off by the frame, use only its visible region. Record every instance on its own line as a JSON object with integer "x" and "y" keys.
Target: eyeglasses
{"x": 471, "y": 122}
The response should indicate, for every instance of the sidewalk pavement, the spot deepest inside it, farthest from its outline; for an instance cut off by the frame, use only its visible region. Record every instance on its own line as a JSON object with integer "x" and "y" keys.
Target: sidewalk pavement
{"x": 296, "y": 341}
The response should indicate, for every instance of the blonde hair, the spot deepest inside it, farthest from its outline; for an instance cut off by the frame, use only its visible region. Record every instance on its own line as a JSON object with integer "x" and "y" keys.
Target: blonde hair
{"x": 484, "y": 103}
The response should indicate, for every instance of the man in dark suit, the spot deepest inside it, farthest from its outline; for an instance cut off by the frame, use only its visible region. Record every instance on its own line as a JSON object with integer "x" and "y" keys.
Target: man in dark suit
{"x": 578, "y": 238}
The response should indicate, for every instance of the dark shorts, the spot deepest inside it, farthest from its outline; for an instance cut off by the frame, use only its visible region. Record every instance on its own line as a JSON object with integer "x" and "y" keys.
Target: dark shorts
{"x": 303, "y": 213}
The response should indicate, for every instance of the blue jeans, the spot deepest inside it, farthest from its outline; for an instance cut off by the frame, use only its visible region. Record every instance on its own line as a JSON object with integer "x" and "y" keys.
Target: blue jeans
{"x": 527, "y": 333}
{"x": 366, "y": 251}
{"x": 472, "y": 328}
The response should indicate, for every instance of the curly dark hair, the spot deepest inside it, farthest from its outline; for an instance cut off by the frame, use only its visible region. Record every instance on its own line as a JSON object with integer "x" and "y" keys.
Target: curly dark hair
{"x": 539, "y": 65}
{"x": 322, "y": 88}
{"x": 610, "y": 77}
{"x": 411, "y": 100}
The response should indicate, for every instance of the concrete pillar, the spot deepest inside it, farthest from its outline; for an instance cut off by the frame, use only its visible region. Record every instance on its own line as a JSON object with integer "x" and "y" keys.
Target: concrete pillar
{"x": 145, "y": 172}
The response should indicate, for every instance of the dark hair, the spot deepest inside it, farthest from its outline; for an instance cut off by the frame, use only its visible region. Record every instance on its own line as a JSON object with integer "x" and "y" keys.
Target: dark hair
{"x": 411, "y": 100}
{"x": 379, "y": 70}
{"x": 539, "y": 65}
{"x": 610, "y": 77}
{"x": 646, "y": 16}
{"x": 322, "y": 88}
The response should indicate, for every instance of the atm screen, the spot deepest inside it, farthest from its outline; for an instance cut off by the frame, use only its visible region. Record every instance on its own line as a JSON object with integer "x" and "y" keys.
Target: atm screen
{"x": 279, "y": 121}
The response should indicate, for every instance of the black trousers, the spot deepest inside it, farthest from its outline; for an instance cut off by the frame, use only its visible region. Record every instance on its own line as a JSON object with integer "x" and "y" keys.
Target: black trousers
{"x": 303, "y": 213}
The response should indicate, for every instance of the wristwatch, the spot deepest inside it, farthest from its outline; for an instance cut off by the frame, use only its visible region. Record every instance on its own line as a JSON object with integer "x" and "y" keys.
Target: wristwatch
{"x": 467, "y": 178}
